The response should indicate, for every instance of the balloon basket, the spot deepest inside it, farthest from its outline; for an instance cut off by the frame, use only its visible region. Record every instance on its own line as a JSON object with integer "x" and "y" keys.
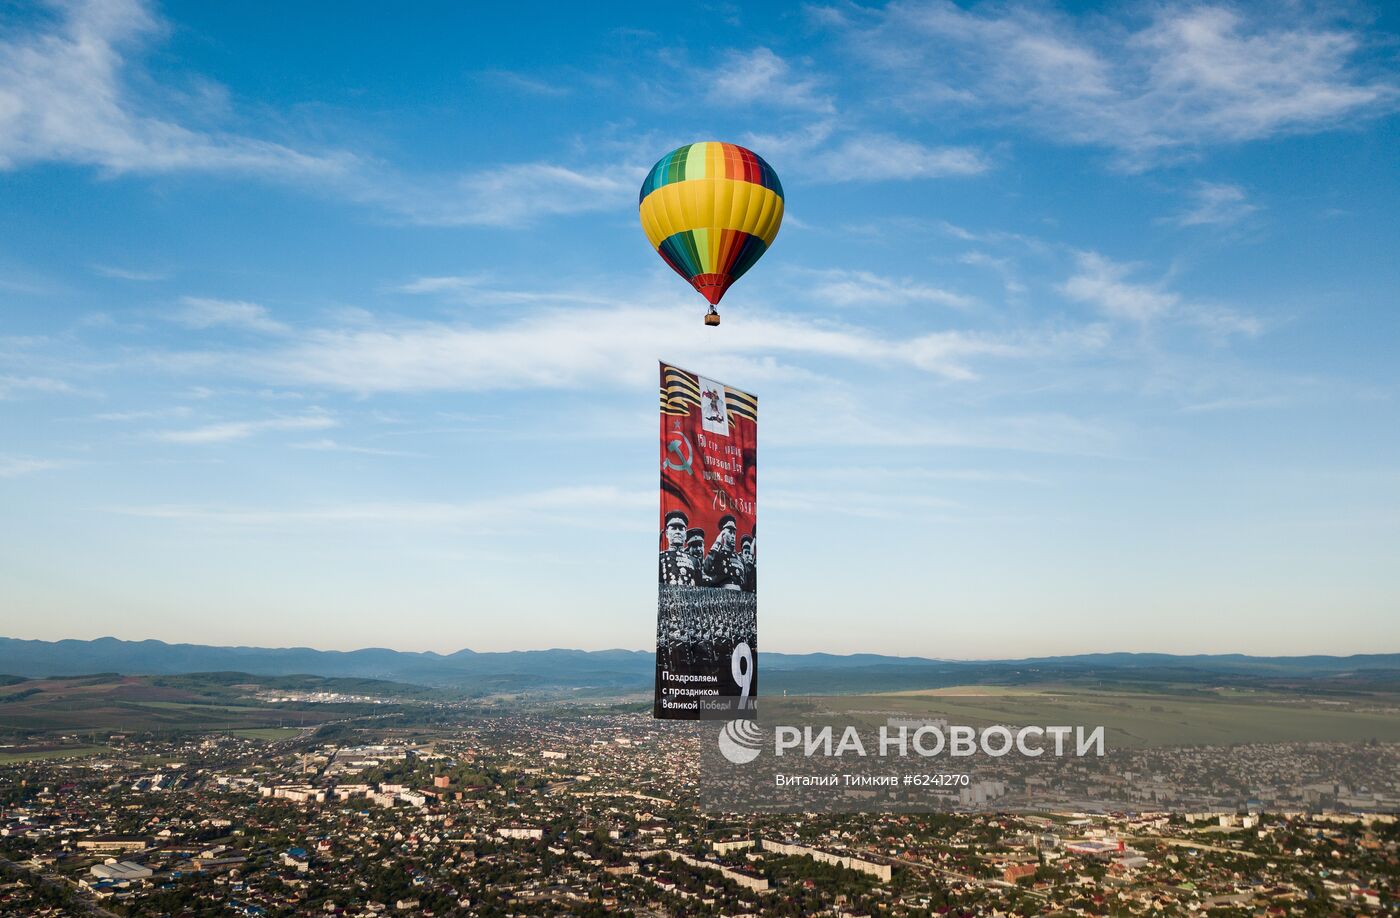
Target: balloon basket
{"x": 712, "y": 317}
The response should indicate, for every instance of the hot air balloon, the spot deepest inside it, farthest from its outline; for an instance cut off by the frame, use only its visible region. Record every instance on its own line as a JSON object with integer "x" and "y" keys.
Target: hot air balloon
{"x": 711, "y": 210}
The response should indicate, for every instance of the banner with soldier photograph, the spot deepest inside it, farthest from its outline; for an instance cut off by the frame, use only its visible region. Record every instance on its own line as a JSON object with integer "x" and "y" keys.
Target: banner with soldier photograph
{"x": 707, "y": 617}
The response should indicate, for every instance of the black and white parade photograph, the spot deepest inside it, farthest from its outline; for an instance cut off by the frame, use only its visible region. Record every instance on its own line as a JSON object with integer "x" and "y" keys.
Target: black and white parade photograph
{"x": 699, "y": 630}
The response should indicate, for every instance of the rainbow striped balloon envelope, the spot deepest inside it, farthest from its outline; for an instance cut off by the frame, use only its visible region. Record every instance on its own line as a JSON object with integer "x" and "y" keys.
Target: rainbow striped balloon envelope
{"x": 711, "y": 210}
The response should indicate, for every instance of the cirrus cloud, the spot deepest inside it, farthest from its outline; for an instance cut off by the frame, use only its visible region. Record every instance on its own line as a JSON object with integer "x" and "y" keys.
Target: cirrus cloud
{"x": 1151, "y": 90}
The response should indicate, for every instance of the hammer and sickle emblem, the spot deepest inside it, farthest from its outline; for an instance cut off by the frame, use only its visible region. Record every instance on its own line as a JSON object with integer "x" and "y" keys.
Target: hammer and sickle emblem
{"x": 679, "y": 447}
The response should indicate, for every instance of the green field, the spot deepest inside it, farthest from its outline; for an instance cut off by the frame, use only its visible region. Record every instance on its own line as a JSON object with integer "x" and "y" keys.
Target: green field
{"x": 10, "y": 757}
{"x": 139, "y": 704}
{"x": 200, "y": 707}
{"x": 1194, "y": 717}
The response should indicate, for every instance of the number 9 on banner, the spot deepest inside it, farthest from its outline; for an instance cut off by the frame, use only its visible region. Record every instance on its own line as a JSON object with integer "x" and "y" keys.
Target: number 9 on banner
{"x": 741, "y": 667}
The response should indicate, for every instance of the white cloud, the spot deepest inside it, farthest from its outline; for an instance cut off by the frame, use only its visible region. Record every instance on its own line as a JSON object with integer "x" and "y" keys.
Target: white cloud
{"x": 513, "y": 195}
{"x": 983, "y": 260}
{"x": 762, "y": 78}
{"x": 794, "y": 144}
{"x": 202, "y": 312}
{"x": 63, "y": 98}
{"x": 1104, "y": 284}
{"x": 10, "y": 386}
{"x": 1187, "y": 77}
{"x": 327, "y": 445}
{"x": 850, "y": 502}
{"x": 986, "y": 237}
{"x": 1216, "y": 204}
{"x": 553, "y": 349}
{"x": 1233, "y": 403}
{"x": 452, "y": 283}
{"x": 837, "y": 287}
{"x": 822, "y": 151}
{"x": 1221, "y": 323}
{"x": 1243, "y": 80}
{"x": 480, "y": 288}
{"x": 882, "y": 157}
{"x": 15, "y": 466}
{"x": 229, "y": 431}
{"x": 120, "y": 273}
{"x": 580, "y": 504}
{"x": 25, "y": 287}
{"x": 1002, "y": 266}
{"x": 528, "y": 85}
{"x": 898, "y": 474}
{"x": 848, "y": 419}
{"x": 178, "y": 411}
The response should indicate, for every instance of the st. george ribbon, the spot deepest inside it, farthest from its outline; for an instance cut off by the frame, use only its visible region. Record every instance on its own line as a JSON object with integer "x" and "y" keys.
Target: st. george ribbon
{"x": 707, "y": 614}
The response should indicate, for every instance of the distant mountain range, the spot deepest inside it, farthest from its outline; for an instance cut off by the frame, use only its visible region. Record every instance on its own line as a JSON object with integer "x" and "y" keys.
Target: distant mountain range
{"x": 631, "y": 670}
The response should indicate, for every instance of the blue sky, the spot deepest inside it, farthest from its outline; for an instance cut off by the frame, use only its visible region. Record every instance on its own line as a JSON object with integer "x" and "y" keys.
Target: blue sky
{"x": 326, "y": 325}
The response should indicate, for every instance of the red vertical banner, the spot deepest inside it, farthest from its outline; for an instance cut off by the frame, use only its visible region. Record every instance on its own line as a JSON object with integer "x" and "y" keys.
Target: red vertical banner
{"x": 707, "y": 613}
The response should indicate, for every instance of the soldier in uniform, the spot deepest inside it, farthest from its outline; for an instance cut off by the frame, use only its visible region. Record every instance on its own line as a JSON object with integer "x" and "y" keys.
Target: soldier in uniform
{"x": 695, "y": 545}
{"x": 747, "y": 546}
{"x": 677, "y": 567}
{"x": 723, "y": 567}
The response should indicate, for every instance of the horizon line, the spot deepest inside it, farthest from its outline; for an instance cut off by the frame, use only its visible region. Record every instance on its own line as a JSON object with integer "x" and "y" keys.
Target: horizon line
{"x": 856, "y": 653}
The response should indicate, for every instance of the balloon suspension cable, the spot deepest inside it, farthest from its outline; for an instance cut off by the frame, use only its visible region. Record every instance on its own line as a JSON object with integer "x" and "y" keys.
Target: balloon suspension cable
{"x": 712, "y": 317}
